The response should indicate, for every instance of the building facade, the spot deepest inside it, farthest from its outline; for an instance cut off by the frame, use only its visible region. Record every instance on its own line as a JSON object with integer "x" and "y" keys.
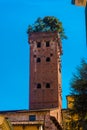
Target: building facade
{"x": 44, "y": 119}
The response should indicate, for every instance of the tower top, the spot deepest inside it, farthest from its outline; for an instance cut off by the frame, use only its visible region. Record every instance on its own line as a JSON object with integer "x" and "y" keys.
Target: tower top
{"x": 45, "y": 36}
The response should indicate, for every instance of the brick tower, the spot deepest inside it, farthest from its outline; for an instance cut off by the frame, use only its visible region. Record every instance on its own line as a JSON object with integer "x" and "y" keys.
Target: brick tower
{"x": 45, "y": 70}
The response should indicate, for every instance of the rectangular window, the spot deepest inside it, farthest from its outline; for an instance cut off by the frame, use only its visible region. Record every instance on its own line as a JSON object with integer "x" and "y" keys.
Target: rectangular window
{"x": 39, "y": 44}
{"x": 32, "y": 117}
{"x": 47, "y": 44}
{"x": 47, "y": 85}
{"x": 38, "y": 85}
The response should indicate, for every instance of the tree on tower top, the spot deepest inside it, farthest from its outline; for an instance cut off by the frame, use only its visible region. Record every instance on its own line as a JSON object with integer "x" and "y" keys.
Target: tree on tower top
{"x": 47, "y": 24}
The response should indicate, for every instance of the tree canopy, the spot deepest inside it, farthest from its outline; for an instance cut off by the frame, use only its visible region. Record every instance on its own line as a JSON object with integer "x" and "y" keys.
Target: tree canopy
{"x": 79, "y": 91}
{"x": 47, "y": 24}
{"x": 79, "y": 81}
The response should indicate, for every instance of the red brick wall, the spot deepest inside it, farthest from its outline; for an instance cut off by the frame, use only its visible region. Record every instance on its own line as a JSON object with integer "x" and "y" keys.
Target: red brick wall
{"x": 45, "y": 72}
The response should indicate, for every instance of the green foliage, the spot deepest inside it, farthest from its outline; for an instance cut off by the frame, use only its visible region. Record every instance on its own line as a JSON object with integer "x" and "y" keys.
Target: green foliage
{"x": 79, "y": 91}
{"x": 79, "y": 81}
{"x": 47, "y": 24}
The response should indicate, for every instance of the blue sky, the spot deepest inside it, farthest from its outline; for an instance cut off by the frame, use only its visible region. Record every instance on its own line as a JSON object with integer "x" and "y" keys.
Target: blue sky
{"x": 15, "y": 16}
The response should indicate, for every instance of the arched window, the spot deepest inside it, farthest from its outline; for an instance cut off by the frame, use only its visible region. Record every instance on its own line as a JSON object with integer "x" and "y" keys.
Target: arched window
{"x": 38, "y": 85}
{"x": 47, "y": 85}
{"x": 38, "y": 60}
{"x": 48, "y": 59}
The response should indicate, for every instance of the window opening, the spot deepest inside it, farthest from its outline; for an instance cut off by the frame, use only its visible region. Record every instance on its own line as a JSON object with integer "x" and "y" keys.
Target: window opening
{"x": 34, "y": 56}
{"x": 48, "y": 59}
{"x": 39, "y": 44}
{"x": 32, "y": 117}
{"x": 47, "y": 85}
{"x": 38, "y": 85}
{"x": 38, "y": 60}
{"x": 47, "y": 44}
{"x": 51, "y": 54}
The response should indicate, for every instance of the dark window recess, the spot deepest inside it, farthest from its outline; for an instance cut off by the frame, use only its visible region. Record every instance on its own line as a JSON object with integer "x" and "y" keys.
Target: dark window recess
{"x": 48, "y": 85}
{"x": 38, "y": 85}
{"x": 38, "y": 60}
{"x": 32, "y": 118}
{"x": 34, "y": 56}
{"x": 39, "y": 44}
{"x": 47, "y": 44}
{"x": 48, "y": 59}
{"x": 51, "y": 54}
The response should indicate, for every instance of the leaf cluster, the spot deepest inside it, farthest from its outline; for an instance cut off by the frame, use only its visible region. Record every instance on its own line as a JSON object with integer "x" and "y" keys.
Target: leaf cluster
{"x": 79, "y": 90}
{"x": 47, "y": 24}
{"x": 79, "y": 81}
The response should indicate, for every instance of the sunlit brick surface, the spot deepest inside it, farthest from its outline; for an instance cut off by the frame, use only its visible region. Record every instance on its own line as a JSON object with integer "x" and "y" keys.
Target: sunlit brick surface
{"x": 45, "y": 71}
